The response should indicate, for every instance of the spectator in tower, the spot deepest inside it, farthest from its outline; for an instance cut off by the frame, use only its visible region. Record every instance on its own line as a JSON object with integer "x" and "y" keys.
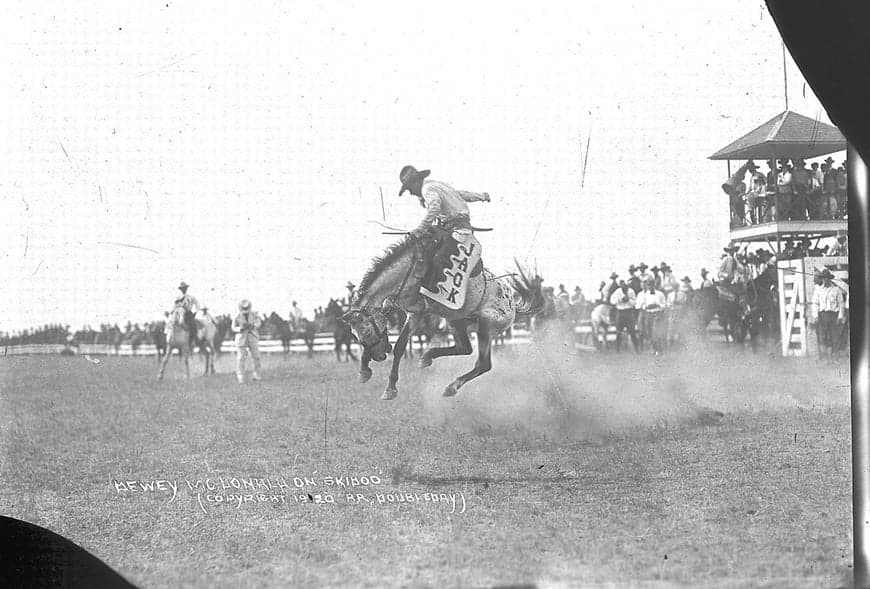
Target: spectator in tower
{"x": 705, "y": 279}
{"x": 624, "y": 301}
{"x": 842, "y": 246}
{"x": 771, "y": 192}
{"x": 828, "y": 313}
{"x": 815, "y": 193}
{"x": 842, "y": 188}
{"x": 801, "y": 188}
{"x": 784, "y": 191}
{"x": 757, "y": 193}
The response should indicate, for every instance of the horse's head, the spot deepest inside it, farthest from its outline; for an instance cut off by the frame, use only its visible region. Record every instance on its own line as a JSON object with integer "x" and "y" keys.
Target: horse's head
{"x": 370, "y": 329}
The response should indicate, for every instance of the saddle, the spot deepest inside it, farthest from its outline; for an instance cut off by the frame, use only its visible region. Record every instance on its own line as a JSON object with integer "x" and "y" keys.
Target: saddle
{"x": 457, "y": 259}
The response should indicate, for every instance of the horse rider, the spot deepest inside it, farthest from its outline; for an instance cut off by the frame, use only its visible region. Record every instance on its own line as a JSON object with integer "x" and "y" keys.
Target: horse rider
{"x": 206, "y": 316}
{"x": 246, "y": 325}
{"x": 446, "y": 209}
{"x": 351, "y": 292}
{"x": 705, "y": 282}
{"x": 191, "y": 306}
{"x": 732, "y": 274}
{"x": 296, "y": 317}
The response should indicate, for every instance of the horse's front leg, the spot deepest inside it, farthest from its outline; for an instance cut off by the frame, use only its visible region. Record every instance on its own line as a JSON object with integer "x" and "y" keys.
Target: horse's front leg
{"x": 163, "y": 363}
{"x": 398, "y": 351}
{"x": 365, "y": 373}
{"x": 484, "y": 359}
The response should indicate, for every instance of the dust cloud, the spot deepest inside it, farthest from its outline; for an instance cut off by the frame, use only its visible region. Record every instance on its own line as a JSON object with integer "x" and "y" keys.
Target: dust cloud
{"x": 548, "y": 387}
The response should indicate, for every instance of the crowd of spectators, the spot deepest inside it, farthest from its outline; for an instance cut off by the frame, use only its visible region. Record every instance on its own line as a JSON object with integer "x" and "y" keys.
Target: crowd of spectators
{"x": 788, "y": 191}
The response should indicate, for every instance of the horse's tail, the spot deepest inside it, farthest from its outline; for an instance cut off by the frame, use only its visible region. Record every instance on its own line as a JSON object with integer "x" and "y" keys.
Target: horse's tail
{"x": 528, "y": 286}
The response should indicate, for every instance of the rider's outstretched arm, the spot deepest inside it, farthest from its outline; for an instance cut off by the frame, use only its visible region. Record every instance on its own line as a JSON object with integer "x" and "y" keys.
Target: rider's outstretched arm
{"x": 473, "y": 196}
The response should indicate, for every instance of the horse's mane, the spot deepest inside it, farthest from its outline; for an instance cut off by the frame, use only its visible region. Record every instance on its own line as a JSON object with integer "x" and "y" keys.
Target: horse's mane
{"x": 391, "y": 254}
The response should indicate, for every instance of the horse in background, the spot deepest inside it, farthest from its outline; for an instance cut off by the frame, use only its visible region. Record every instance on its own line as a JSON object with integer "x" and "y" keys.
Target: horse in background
{"x": 158, "y": 336}
{"x": 428, "y": 327}
{"x": 341, "y": 332}
{"x": 286, "y": 332}
{"x": 599, "y": 320}
{"x": 280, "y": 329}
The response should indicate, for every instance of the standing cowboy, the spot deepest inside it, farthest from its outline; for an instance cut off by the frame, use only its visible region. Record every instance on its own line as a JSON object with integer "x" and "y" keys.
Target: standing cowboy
{"x": 191, "y": 306}
{"x": 829, "y": 312}
{"x": 651, "y": 303}
{"x": 445, "y": 206}
{"x": 624, "y": 300}
{"x": 705, "y": 282}
{"x": 246, "y": 325}
{"x": 669, "y": 283}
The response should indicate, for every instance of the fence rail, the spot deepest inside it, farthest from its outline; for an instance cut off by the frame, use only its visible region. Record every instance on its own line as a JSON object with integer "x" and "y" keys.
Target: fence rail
{"x": 323, "y": 342}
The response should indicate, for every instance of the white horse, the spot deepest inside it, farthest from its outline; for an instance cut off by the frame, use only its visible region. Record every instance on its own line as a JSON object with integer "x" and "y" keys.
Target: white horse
{"x": 178, "y": 338}
{"x": 600, "y": 322}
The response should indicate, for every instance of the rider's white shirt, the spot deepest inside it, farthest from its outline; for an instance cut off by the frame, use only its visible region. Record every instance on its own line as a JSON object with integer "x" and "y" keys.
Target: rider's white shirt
{"x": 443, "y": 201}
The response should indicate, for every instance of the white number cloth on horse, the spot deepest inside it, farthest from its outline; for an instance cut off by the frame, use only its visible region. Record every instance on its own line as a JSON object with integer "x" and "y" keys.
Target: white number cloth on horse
{"x": 452, "y": 290}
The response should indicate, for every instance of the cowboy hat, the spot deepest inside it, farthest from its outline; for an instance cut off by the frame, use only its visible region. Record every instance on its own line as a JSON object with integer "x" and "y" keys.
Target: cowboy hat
{"x": 825, "y": 273}
{"x": 183, "y": 284}
{"x": 408, "y": 175}
{"x": 245, "y": 305}
{"x": 686, "y": 279}
{"x": 654, "y": 269}
{"x": 829, "y": 160}
{"x": 642, "y": 266}
{"x": 577, "y": 289}
{"x": 350, "y": 284}
{"x": 665, "y": 267}
{"x": 614, "y": 275}
{"x": 704, "y": 271}
{"x": 632, "y": 268}
{"x": 204, "y": 309}
{"x": 731, "y": 247}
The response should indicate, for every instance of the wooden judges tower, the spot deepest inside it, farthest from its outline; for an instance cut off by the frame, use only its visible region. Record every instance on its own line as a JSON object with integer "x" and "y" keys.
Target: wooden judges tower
{"x": 783, "y": 214}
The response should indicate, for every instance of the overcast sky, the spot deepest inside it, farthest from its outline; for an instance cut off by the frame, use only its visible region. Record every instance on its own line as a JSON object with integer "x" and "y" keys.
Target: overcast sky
{"x": 241, "y": 147}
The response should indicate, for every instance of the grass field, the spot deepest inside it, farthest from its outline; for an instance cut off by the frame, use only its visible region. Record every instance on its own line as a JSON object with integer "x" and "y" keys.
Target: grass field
{"x": 567, "y": 471}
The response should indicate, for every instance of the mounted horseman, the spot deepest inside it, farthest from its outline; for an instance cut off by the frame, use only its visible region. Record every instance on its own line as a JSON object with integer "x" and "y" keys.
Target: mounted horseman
{"x": 191, "y": 305}
{"x": 733, "y": 276}
{"x": 445, "y": 226}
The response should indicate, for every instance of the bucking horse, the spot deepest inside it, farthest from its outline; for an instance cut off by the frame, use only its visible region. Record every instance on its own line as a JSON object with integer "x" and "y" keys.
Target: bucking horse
{"x": 491, "y": 304}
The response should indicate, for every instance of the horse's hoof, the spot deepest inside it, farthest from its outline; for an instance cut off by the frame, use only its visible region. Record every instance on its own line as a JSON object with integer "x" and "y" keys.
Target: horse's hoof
{"x": 389, "y": 394}
{"x": 425, "y": 362}
{"x": 365, "y": 375}
{"x": 450, "y": 390}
